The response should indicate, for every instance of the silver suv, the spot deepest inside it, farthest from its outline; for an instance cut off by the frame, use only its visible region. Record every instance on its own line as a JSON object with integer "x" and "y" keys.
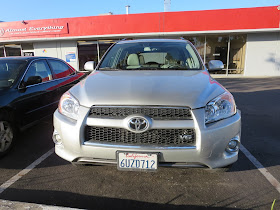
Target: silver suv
{"x": 149, "y": 103}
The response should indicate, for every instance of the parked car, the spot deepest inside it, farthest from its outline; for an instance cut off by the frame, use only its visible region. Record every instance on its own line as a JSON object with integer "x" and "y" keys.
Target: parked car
{"x": 30, "y": 89}
{"x": 154, "y": 104}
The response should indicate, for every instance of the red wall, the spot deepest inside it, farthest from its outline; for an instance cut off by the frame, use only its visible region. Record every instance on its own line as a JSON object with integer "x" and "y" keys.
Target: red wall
{"x": 208, "y": 20}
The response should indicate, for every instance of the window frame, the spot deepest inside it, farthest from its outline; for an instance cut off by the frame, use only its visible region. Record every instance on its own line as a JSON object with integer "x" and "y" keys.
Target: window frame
{"x": 26, "y": 70}
{"x": 72, "y": 71}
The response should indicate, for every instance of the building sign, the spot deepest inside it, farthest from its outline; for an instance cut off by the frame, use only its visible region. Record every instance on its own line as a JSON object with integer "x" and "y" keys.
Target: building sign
{"x": 36, "y": 30}
{"x": 28, "y": 53}
{"x": 70, "y": 57}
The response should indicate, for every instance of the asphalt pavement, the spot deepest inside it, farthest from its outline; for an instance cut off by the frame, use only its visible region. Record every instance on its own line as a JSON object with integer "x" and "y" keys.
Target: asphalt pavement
{"x": 55, "y": 182}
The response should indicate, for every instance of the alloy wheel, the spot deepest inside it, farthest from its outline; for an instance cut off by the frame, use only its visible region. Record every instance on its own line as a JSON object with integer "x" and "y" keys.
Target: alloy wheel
{"x": 6, "y": 136}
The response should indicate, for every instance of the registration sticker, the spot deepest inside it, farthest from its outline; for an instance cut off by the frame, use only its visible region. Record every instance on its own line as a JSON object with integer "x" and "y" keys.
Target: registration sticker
{"x": 137, "y": 161}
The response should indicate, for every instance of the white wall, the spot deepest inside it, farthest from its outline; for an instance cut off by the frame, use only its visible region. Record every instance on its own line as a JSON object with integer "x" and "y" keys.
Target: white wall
{"x": 57, "y": 49}
{"x": 263, "y": 54}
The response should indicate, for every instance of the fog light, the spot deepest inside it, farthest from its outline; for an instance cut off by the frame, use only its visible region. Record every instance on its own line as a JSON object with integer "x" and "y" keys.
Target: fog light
{"x": 233, "y": 145}
{"x": 56, "y": 138}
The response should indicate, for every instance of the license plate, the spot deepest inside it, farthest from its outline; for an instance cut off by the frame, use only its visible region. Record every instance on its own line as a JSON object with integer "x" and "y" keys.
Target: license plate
{"x": 137, "y": 161}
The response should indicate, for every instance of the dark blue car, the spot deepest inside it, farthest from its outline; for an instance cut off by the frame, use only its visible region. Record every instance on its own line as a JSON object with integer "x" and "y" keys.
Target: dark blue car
{"x": 30, "y": 89}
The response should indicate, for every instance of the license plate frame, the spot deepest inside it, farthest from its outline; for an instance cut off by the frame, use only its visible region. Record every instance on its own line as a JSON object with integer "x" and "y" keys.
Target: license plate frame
{"x": 141, "y": 156}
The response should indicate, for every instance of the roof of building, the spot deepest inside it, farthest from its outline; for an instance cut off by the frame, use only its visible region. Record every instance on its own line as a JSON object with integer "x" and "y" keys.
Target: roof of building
{"x": 152, "y": 40}
{"x": 241, "y": 20}
{"x": 28, "y": 58}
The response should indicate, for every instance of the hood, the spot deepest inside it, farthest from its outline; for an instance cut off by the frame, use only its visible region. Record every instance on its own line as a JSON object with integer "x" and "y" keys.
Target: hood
{"x": 171, "y": 88}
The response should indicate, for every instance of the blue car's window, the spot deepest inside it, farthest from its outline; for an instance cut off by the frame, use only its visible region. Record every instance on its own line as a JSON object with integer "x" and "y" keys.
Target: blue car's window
{"x": 9, "y": 71}
{"x": 60, "y": 69}
{"x": 39, "y": 68}
{"x": 152, "y": 56}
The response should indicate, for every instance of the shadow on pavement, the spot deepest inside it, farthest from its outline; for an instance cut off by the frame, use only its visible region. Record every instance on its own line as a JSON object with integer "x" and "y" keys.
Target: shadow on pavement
{"x": 47, "y": 197}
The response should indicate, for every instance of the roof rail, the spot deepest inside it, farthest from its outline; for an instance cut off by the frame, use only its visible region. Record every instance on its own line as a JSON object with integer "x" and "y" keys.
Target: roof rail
{"x": 127, "y": 38}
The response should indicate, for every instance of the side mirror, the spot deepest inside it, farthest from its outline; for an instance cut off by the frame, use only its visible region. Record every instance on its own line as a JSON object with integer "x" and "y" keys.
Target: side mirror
{"x": 89, "y": 66}
{"x": 215, "y": 65}
{"x": 32, "y": 81}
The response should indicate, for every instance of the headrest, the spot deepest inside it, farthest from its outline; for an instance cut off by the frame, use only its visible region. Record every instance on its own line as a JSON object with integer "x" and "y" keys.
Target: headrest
{"x": 141, "y": 59}
{"x": 133, "y": 60}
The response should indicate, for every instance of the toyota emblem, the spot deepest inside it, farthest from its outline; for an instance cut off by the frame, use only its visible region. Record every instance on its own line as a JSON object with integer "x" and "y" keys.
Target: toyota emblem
{"x": 138, "y": 124}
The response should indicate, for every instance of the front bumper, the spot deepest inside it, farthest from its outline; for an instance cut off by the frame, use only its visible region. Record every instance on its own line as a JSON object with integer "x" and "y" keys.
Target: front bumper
{"x": 209, "y": 151}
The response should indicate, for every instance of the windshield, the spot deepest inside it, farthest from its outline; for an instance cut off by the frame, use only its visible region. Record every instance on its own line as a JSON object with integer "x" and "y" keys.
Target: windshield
{"x": 9, "y": 71}
{"x": 151, "y": 56}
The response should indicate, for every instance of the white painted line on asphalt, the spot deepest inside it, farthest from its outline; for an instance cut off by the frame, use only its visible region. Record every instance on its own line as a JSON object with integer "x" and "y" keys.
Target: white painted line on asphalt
{"x": 261, "y": 168}
{"x": 15, "y": 178}
{"x": 5, "y": 204}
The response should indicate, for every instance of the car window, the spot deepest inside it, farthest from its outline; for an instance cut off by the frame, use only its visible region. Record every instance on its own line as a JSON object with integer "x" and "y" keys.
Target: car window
{"x": 39, "y": 68}
{"x": 60, "y": 69}
{"x": 152, "y": 56}
{"x": 10, "y": 70}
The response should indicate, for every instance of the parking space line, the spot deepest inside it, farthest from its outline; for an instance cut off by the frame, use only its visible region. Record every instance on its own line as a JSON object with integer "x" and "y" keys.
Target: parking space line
{"x": 15, "y": 178}
{"x": 6, "y": 204}
{"x": 272, "y": 180}
{"x": 261, "y": 168}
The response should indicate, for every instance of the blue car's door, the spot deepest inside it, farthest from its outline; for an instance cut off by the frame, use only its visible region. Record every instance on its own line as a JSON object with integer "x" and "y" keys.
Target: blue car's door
{"x": 38, "y": 100}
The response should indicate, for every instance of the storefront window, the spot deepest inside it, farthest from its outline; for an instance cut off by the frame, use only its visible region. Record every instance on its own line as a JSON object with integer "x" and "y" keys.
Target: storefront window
{"x": 237, "y": 54}
{"x": 228, "y": 49}
{"x": 92, "y": 51}
{"x": 103, "y": 46}
{"x": 87, "y": 51}
{"x": 217, "y": 49}
{"x": 13, "y": 50}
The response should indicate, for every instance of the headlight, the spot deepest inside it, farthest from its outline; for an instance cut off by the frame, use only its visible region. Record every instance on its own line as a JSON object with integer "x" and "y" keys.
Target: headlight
{"x": 69, "y": 106}
{"x": 220, "y": 107}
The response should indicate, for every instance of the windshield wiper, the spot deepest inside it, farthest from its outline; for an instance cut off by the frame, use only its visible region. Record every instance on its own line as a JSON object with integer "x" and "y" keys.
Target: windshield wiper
{"x": 109, "y": 69}
{"x": 146, "y": 68}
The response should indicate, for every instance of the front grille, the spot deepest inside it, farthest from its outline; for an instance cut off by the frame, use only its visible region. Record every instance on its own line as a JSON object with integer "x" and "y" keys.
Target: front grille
{"x": 157, "y": 113}
{"x": 160, "y": 137}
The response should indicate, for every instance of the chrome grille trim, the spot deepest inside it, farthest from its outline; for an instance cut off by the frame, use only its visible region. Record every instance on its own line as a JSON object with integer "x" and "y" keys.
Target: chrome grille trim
{"x": 156, "y": 124}
{"x": 154, "y": 112}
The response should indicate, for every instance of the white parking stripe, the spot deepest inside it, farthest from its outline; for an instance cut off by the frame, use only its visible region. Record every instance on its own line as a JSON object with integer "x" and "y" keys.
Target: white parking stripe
{"x": 15, "y": 178}
{"x": 261, "y": 168}
{"x": 274, "y": 182}
{"x": 5, "y": 204}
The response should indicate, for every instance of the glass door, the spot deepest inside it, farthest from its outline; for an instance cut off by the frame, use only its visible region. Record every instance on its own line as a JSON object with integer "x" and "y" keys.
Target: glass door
{"x": 87, "y": 51}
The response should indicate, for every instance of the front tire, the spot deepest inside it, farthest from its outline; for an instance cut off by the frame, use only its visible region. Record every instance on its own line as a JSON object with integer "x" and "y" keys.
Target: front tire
{"x": 7, "y": 135}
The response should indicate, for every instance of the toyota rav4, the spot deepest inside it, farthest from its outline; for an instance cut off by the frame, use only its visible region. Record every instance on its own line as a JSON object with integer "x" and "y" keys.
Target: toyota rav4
{"x": 149, "y": 103}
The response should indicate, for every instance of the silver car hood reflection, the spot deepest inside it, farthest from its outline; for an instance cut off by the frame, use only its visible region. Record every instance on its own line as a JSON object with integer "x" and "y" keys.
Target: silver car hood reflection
{"x": 131, "y": 87}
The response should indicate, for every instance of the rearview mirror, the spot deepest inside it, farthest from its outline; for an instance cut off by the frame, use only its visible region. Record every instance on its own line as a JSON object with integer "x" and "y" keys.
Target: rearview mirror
{"x": 89, "y": 66}
{"x": 215, "y": 65}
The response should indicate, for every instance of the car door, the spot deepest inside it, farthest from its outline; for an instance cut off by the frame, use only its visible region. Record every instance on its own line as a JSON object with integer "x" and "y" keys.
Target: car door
{"x": 37, "y": 100}
{"x": 65, "y": 75}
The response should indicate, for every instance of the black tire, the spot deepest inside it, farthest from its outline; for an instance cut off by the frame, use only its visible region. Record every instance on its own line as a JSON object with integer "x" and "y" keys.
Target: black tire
{"x": 8, "y": 133}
